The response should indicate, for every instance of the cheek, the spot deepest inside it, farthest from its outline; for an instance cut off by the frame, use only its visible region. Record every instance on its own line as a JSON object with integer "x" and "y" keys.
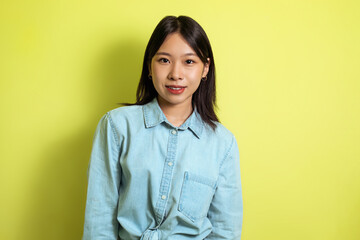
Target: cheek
{"x": 195, "y": 75}
{"x": 159, "y": 71}
{"x": 195, "y": 81}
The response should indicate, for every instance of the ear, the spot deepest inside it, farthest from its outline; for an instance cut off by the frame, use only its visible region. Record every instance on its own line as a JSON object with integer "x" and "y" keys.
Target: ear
{"x": 206, "y": 68}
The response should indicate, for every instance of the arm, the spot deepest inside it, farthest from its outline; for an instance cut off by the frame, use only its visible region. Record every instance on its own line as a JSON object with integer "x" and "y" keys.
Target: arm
{"x": 103, "y": 184}
{"x": 226, "y": 209}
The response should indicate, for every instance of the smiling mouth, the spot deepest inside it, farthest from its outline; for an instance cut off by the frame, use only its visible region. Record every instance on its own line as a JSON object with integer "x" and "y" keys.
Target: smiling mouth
{"x": 175, "y": 87}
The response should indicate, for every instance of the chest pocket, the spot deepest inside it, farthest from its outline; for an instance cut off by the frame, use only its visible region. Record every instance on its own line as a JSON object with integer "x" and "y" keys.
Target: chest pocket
{"x": 196, "y": 196}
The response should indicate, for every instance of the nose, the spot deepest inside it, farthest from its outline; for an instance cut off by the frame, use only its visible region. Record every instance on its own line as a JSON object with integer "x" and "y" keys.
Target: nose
{"x": 176, "y": 72}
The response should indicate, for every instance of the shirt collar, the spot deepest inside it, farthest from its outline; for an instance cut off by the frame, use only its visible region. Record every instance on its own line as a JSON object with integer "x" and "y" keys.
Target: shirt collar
{"x": 153, "y": 115}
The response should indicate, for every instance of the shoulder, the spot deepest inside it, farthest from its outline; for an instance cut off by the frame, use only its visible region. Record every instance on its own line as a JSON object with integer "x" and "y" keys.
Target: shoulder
{"x": 119, "y": 118}
{"x": 125, "y": 112}
{"x": 122, "y": 121}
{"x": 222, "y": 136}
{"x": 221, "y": 132}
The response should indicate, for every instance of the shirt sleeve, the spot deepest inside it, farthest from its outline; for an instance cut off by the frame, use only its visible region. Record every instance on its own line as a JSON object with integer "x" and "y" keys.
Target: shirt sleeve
{"x": 226, "y": 209}
{"x": 103, "y": 184}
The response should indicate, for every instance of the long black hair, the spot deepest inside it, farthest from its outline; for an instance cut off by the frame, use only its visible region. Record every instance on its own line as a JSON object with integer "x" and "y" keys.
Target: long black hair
{"x": 204, "y": 98}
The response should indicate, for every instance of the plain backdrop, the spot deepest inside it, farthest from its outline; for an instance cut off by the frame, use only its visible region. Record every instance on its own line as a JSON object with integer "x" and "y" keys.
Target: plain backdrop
{"x": 288, "y": 84}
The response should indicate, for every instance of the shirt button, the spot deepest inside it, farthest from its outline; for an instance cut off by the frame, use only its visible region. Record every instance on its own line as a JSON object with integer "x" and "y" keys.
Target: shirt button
{"x": 163, "y": 197}
{"x": 170, "y": 164}
{"x": 173, "y": 131}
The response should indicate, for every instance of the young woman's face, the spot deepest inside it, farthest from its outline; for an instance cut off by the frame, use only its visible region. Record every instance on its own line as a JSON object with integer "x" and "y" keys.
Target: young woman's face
{"x": 176, "y": 71}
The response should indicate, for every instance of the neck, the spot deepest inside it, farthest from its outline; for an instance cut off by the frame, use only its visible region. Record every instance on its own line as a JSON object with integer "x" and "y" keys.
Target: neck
{"x": 176, "y": 114}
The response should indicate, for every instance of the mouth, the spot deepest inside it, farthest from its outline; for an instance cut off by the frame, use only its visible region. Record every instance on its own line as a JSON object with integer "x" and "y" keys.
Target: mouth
{"x": 175, "y": 89}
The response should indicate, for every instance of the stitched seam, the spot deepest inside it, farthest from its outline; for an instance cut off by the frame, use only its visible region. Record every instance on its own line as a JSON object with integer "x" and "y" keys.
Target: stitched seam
{"x": 145, "y": 116}
{"x": 202, "y": 180}
{"x": 227, "y": 153}
{"x": 113, "y": 129}
{"x": 187, "y": 180}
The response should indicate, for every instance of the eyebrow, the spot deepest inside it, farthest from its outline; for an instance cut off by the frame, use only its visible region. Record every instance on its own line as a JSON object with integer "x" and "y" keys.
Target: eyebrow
{"x": 168, "y": 54}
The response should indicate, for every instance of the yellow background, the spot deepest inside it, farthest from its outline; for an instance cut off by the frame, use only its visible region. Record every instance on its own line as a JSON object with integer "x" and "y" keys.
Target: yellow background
{"x": 288, "y": 88}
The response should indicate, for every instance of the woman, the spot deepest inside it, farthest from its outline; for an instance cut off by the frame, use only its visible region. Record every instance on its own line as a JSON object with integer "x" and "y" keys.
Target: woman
{"x": 164, "y": 167}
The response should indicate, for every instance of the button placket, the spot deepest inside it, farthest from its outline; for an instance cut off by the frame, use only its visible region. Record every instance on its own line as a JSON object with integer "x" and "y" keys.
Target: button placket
{"x": 166, "y": 178}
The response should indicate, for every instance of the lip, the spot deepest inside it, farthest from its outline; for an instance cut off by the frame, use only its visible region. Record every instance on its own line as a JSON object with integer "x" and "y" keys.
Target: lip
{"x": 175, "y": 86}
{"x": 180, "y": 89}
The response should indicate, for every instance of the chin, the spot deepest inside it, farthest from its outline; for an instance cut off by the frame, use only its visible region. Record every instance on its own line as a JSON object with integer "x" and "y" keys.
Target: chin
{"x": 175, "y": 101}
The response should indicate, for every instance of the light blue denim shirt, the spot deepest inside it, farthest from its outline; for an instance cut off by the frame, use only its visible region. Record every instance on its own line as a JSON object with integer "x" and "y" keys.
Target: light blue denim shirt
{"x": 150, "y": 180}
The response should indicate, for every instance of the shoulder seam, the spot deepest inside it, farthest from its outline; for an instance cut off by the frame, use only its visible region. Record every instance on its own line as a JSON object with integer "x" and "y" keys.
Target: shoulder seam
{"x": 113, "y": 129}
{"x": 228, "y": 151}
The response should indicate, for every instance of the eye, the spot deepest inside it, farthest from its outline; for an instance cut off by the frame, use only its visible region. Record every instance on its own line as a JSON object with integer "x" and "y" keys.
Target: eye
{"x": 189, "y": 61}
{"x": 163, "y": 60}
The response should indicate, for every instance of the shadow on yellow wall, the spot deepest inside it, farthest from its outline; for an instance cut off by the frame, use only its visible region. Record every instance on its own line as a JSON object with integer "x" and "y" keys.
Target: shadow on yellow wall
{"x": 58, "y": 193}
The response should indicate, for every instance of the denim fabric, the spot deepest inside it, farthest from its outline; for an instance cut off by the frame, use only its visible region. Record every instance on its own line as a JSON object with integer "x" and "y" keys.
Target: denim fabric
{"x": 150, "y": 180}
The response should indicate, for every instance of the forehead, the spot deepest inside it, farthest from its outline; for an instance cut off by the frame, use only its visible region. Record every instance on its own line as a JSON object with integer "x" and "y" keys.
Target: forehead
{"x": 175, "y": 42}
